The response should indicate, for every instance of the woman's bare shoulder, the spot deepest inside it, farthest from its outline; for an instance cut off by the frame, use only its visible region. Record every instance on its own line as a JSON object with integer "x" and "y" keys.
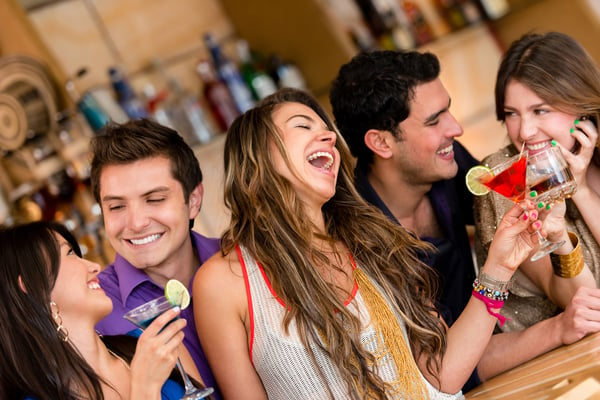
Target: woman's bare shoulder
{"x": 220, "y": 268}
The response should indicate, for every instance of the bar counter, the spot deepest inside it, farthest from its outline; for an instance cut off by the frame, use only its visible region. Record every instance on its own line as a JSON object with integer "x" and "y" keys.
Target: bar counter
{"x": 569, "y": 372}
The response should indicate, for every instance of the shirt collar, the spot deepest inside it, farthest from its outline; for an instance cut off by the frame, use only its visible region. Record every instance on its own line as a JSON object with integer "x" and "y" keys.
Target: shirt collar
{"x": 129, "y": 277}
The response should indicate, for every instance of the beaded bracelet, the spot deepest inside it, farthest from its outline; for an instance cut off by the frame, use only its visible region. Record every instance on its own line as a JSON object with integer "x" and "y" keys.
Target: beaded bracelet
{"x": 492, "y": 293}
{"x": 568, "y": 265}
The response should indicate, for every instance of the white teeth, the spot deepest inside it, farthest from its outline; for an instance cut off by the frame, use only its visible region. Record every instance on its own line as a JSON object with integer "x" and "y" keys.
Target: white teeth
{"x": 446, "y": 150}
{"x": 145, "y": 240}
{"x": 93, "y": 285}
{"x": 537, "y": 146}
{"x": 318, "y": 154}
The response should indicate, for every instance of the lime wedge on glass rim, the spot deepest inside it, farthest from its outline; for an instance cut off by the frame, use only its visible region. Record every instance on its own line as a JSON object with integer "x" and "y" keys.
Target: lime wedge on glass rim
{"x": 472, "y": 180}
{"x": 177, "y": 294}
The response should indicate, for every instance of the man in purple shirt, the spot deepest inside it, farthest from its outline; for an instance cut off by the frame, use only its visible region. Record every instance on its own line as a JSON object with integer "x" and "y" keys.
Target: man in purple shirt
{"x": 149, "y": 185}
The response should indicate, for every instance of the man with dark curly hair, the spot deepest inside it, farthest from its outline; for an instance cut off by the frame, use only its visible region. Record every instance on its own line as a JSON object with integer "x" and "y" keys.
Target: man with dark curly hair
{"x": 394, "y": 112}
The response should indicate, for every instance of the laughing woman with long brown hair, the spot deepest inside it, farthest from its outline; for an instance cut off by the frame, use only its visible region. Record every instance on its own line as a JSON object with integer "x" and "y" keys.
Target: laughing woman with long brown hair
{"x": 316, "y": 294}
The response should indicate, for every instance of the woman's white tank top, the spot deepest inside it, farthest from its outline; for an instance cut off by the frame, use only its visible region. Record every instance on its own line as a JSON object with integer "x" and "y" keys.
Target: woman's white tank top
{"x": 282, "y": 361}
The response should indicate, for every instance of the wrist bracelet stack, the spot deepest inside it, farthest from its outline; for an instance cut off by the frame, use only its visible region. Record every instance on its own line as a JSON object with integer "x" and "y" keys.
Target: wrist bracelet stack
{"x": 490, "y": 287}
{"x": 492, "y": 292}
{"x": 568, "y": 265}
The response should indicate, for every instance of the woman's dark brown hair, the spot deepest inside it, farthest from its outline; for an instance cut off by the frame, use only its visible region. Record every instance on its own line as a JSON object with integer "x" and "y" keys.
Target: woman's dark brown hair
{"x": 34, "y": 361}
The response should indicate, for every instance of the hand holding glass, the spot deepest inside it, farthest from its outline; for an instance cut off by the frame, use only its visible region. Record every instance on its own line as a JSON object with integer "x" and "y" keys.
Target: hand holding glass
{"x": 550, "y": 180}
{"x": 142, "y": 317}
{"x": 545, "y": 173}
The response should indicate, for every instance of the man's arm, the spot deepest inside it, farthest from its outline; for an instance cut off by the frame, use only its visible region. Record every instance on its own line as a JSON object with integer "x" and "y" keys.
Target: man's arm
{"x": 509, "y": 349}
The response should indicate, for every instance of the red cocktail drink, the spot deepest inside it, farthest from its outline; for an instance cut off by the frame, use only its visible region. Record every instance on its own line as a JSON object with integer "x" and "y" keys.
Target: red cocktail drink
{"x": 510, "y": 182}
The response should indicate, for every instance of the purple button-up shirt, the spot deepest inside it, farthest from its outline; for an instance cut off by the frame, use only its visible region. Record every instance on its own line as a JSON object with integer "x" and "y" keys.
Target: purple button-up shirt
{"x": 129, "y": 287}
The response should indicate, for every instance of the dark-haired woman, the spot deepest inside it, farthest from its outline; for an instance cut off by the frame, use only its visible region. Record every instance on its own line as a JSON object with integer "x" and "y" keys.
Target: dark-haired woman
{"x": 48, "y": 347}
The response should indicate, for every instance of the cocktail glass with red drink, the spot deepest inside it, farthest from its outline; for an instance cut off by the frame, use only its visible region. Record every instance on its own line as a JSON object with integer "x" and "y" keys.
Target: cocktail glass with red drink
{"x": 544, "y": 174}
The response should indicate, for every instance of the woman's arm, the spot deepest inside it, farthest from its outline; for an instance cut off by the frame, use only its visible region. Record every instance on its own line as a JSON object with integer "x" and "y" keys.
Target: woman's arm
{"x": 509, "y": 349}
{"x": 558, "y": 289}
{"x": 222, "y": 321}
{"x": 471, "y": 332}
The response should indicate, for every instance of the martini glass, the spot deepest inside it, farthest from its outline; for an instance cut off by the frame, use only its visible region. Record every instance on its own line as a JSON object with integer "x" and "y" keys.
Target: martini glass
{"x": 510, "y": 180}
{"x": 550, "y": 181}
{"x": 548, "y": 177}
{"x": 142, "y": 317}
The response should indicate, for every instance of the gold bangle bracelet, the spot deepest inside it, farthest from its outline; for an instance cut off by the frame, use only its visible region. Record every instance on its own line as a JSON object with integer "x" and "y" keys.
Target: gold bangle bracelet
{"x": 568, "y": 265}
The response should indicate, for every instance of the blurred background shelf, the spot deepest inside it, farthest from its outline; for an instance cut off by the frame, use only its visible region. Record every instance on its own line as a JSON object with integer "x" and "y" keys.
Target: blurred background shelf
{"x": 65, "y": 35}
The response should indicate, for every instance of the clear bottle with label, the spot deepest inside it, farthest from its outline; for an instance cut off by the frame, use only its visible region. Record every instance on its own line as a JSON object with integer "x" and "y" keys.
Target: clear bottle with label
{"x": 185, "y": 111}
{"x": 126, "y": 96}
{"x": 217, "y": 96}
{"x": 228, "y": 72}
{"x": 87, "y": 105}
{"x": 286, "y": 73}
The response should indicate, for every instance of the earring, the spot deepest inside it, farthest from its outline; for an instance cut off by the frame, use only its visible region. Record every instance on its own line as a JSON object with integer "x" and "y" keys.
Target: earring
{"x": 61, "y": 331}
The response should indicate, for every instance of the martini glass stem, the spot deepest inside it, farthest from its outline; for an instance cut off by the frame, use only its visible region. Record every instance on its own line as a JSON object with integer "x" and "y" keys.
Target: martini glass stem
{"x": 545, "y": 247}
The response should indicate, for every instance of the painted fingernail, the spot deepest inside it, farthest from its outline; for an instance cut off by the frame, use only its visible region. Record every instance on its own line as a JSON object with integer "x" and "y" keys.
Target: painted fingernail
{"x": 571, "y": 130}
{"x": 525, "y": 217}
{"x": 533, "y": 193}
{"x": 540, "y": 205}
{"x": 537, "y": 225}
{"x": 534, "y": 215}
{"x": 576, "y": 121}
{"x": 548, "y": 206}
{"x": 553, "y": 143}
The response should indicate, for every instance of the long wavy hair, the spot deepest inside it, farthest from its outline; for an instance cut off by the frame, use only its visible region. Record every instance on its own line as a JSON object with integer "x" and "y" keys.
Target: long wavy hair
{"x": 270, "y": 220}
{"x": 557, "y": 69}
{"x": 34, "y": 361}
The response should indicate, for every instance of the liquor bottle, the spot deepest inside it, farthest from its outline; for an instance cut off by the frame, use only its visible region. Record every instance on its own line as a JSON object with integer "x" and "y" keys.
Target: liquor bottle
{"x": 470, "y": 10}
{"x": 156, "y": 105}
{"x": 217, "y": 95}
{"x": 86, "y": 104}
{"x": 229, "y": 73}
{"x": 350, "y": 17}
{"x": 188, "y": 116}
{"x": 494, "y": 9}
{"x": 185, "y": 111}
{"x": 432, "y": 14}
{"x": 259, "y": 82}
{"x": 388, "y": 23}
{"x": 422, "y": 31}
{"x": 452, "y": 12}
{"x": 377, "y": 15}
{"x": 126, "y": 96}
{"x": 286, "y": 73}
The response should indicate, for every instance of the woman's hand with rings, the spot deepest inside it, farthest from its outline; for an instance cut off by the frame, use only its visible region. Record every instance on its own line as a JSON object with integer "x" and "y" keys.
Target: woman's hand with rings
{"x": 515, "y": 236}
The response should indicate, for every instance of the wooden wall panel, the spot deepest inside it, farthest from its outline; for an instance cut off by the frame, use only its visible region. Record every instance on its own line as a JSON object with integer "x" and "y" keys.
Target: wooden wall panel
{"x": 70, "y": 35}
{"x": 19, "y": 37}
{"x": 300, "y": 31}
{"x": 139, "y": 30}
{"x": 578, "y": 18}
